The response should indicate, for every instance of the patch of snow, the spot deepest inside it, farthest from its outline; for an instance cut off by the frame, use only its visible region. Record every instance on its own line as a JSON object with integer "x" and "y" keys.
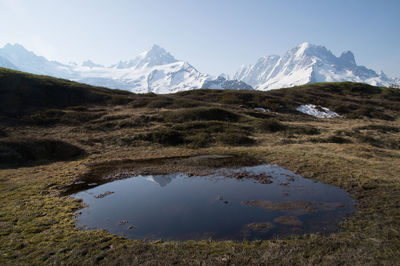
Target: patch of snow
{"x": 262, "y": 109}
{"x": 311, "y": 109}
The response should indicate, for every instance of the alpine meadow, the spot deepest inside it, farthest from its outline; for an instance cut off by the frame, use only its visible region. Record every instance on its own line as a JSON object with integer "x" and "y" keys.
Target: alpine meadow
{"x": 231, "y": 133}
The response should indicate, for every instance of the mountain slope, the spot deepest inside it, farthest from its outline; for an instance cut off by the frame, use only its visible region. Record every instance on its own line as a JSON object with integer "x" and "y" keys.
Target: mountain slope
{"x": 307, "y": 63}
{"x": 27, "y": 61}
{"x": 222, "y": 83}
{"x": 22, "y": 93}
{"x": 154, "y": 70}
{"x": 7, "y": 64}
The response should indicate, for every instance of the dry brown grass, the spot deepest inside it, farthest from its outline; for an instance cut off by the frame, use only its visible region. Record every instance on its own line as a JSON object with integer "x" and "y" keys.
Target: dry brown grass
{"x": 360, "y": 155}
{"x": 37, "y": 224}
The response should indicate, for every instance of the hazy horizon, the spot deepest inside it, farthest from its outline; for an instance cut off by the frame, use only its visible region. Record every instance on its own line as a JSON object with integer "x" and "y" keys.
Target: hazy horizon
{"x": 214, "y": 36}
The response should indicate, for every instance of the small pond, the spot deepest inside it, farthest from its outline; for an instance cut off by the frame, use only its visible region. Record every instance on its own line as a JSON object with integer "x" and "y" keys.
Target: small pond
{"x": 258, "y": 202}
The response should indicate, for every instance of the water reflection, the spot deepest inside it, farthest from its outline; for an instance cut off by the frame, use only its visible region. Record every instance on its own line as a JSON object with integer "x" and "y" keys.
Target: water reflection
{"x": 257, "y": 202}
{"x": 162, "y": 181}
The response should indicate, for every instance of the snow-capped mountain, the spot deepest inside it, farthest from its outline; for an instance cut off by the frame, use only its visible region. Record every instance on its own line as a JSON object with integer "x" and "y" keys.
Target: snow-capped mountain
{"x": 24, "y": 60}
{"x": 154, "y": 70}
{"x": 7, "y": 64}
{"x": 222, "y": 82}
{"x": 307, "y": 63}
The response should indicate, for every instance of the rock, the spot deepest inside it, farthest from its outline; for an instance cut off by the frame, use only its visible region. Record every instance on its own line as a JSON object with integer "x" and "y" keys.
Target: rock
{"x": 100, "y": 196}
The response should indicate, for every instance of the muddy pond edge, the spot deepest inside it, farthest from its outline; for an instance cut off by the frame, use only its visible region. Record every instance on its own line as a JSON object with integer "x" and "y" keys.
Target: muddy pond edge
{"x": 307, "y": 161}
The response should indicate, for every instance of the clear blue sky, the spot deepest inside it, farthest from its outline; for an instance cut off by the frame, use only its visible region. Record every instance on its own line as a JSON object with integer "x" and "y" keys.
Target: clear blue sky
{"x": 215, "y": 36}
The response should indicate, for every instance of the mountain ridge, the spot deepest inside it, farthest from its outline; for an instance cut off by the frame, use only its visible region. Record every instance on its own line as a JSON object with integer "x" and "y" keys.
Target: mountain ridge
{"x": 154, "y": 70}
{"x": 307, "y": 63}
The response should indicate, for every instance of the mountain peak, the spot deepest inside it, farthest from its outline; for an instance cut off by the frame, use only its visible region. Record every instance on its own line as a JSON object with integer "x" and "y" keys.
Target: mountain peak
{"x": 304, "y": 45}
{"x": 155, "y": 56}
{"x": 157, "y": 49}
{"x": 15, "y": 48}
{"x": 309, "y": 48}
{"x": 347, "y": 58}
{"x": 17, "y": 54}
{"x": 307, "y": 63}
{"x": 158, "y": 56}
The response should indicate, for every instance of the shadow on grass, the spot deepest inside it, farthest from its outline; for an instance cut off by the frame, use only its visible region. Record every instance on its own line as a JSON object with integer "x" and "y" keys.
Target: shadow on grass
{"x": 24, "y": 152}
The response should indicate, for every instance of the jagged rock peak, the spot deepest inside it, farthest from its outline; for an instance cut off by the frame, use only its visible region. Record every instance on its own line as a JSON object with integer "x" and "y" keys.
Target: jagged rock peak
{"x": 347, "y": 57}
{"x": 156, "y": 55}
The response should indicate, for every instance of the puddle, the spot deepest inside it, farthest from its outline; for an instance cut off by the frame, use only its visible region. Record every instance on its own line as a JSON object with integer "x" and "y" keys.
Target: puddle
{"x": 236, "y": 204}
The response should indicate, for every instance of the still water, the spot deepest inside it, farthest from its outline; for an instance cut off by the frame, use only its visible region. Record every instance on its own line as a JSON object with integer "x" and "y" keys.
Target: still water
{"x": 258, "y": 202}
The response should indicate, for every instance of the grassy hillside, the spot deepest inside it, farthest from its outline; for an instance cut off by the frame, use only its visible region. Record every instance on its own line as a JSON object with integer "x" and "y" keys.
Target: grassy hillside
{"x": 56, "y": 133}
{"x": 22, "y": 93}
